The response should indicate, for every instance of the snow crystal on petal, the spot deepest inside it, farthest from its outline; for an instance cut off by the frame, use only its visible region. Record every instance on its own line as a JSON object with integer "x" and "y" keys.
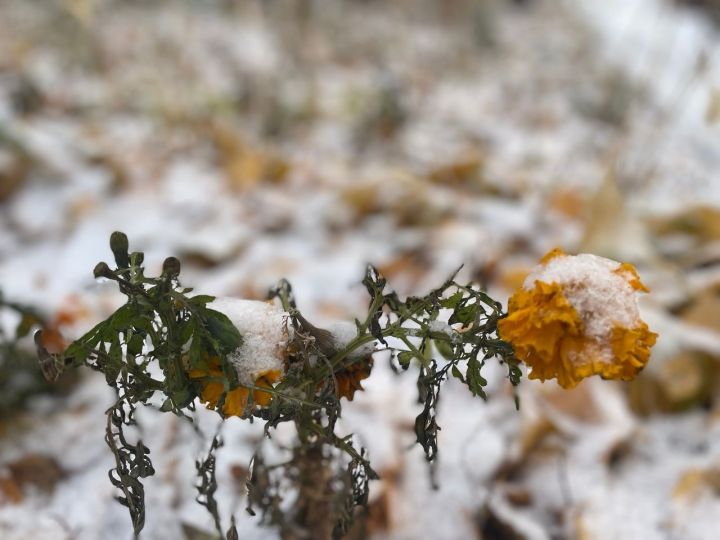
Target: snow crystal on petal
{"x": 602, "y": 297}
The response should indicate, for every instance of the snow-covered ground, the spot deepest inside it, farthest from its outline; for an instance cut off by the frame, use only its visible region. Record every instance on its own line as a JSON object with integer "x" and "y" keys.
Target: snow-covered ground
{"x": 262, "y": 141}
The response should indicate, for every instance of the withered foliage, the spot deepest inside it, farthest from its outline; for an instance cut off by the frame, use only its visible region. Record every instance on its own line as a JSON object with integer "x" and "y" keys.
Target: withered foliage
{"x": 314, "y": 493}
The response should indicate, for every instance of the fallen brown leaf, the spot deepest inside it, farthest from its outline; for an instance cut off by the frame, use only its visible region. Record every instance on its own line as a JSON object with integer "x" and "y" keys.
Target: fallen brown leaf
{"x": 37, "y": 470}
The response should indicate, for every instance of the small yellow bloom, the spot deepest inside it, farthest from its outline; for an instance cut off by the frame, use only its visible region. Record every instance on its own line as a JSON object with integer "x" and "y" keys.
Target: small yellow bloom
{"x": 258, "y": 361}
{"x": 236, "y": 400}
{"x": 577, "y": 316}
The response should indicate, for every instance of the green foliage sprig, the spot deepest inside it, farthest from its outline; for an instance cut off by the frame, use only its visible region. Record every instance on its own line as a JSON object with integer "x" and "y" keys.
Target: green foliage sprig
{"x": 413, "y": 322}
{"x": 158, "y": 326}
{"x": 327, "y": 474}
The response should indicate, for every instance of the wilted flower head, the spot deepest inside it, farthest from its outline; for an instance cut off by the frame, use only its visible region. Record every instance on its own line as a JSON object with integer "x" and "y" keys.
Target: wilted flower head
{"x": 577, "y": 316}
{"x": 259, "y": 361}
{"x": 348, "y": 379}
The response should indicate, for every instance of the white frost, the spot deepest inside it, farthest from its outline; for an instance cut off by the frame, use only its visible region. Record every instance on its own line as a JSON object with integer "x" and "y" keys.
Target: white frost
{"x": 265, "y": 335}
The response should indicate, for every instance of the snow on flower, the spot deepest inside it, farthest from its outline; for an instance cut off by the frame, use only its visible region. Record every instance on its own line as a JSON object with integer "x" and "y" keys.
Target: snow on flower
{"x": 577, "y": 316}
{"x": 259, "y": 361}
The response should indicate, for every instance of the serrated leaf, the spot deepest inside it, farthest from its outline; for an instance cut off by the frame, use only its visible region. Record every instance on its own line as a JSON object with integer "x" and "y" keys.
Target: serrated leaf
{"x": 464, "y": 315}
{"x": 474, "y": 380}
{"x": 223, "y": 330}
{"x": 457, "y": 374}
{"x": 445, "y": 349}
{"x": 452, "y": 301}
{"x": 201, "y": 299}
{"x": 120, "y": 321}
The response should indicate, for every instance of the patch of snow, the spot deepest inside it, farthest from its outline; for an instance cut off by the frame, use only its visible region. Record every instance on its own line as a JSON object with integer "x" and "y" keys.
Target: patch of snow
{"x": 265, "y": 332}
{"x": 343, "y": 333}
{"x": 441, "y": 327}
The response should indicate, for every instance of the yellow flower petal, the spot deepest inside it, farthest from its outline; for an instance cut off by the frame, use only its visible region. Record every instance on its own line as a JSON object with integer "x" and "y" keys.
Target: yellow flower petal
{"x": 544, "y": 329}
{"x": 265, "y": 380}
{"x": 211, "y": 393}
{"x": 629, "y": 272}
{"x": 236, "y": 401}
{"x": 552, "y": 254}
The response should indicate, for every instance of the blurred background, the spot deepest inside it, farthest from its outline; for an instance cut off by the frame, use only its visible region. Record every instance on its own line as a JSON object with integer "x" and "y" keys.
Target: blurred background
{"x": 303, "y": 139}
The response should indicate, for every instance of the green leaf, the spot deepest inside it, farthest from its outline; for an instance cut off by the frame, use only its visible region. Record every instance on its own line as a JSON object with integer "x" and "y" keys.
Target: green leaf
{"x": 494, "y": 304}
{"x": 112, "y": 364}
{"x": 80, "y": 348}
{"x": 452, "y": 301}
{"x": 196, "y": 353}
{"x": 201, "y": 299}
{"x": 182, "y": 397}
{"x": 187, "y": 330}
{"x": 120, "y": 321}
{"x": 144, "y": 324}
{"x": 167, "y": 405}
{"x": 474, "y": 380}
{"x": 445, "y": 349}
{"x": 135, "y": 345}
{"x": 230, "y": 373}
{"x": 223, "y": 330}
{"x": 464, "y": 315}
{"x": 456, "y": 373}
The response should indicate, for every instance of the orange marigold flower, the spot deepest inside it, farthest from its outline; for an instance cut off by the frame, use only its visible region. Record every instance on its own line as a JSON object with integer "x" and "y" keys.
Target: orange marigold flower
{"x": 577, "y": 316}
{"x": 236, "y": 400}
{"x": 259, "y": 361}
{"x": 359, "y": 362}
